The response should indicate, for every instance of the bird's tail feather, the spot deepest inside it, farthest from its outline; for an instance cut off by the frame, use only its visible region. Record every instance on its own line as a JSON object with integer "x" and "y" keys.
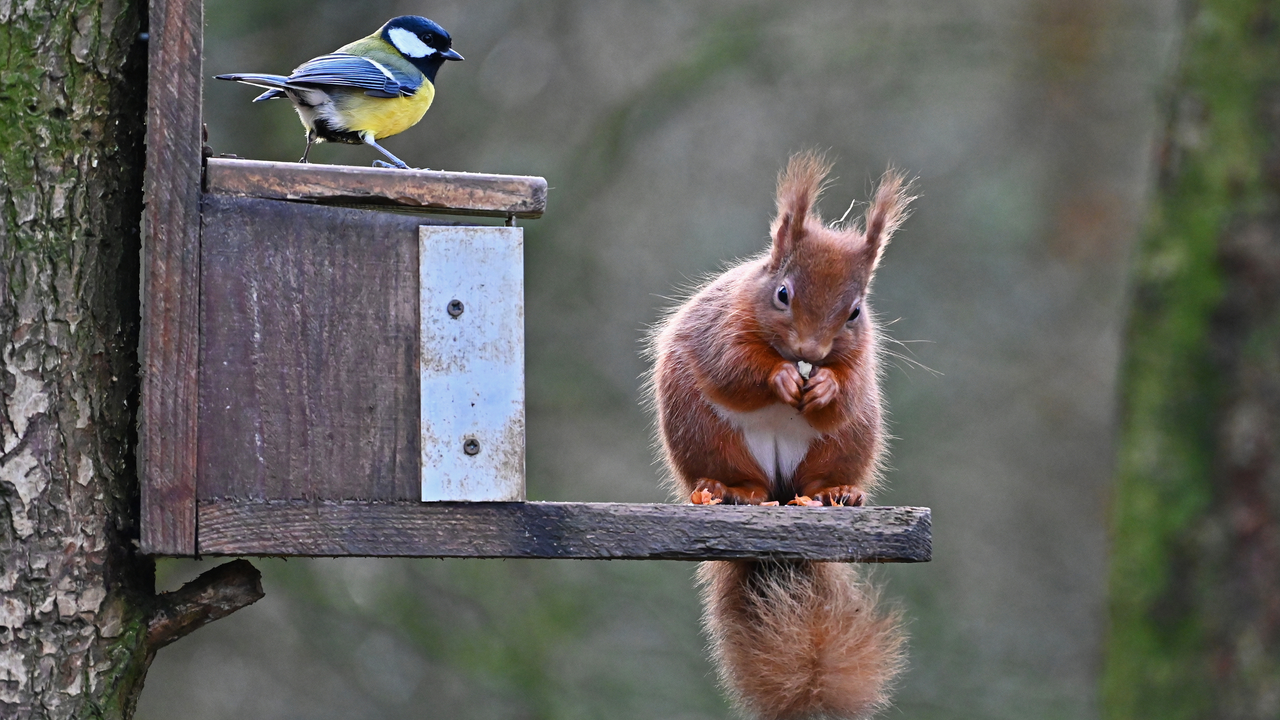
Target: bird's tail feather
{"x": 275, "y": 84}
{"x": 801, "y": 639}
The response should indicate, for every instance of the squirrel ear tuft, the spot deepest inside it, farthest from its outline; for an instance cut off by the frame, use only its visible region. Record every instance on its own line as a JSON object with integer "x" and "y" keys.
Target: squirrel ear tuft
{"x": 799, "y": 186}
{"x": 887, "y": 212}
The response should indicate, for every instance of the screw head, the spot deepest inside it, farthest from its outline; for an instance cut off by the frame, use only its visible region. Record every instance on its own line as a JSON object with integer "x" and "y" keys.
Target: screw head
{"x": 455, "y": 308}
{"x": 471, "y": 446}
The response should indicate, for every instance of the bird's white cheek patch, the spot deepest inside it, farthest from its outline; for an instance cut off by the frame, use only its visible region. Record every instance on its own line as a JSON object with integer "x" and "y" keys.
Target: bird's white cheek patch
{"x": 410, "y": 44}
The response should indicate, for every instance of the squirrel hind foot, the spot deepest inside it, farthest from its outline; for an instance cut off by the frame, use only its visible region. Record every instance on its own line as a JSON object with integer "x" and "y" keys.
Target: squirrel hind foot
{"x": 704, "y": 497}
{"x": 842, "y": 495}
{"x": 713, "y": 492}
{"x": 707, "y": 492}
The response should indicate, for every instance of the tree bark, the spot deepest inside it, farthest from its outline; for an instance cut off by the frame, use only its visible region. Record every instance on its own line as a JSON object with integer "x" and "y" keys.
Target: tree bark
{"x": 79, "y": 623}
{"x": 1195, "y": 583}
{"x": 72, "y": 593}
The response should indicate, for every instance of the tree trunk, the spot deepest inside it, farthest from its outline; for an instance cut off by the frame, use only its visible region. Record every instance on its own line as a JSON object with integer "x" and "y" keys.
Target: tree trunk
{"x": 72, "y": 593}
{"x": 78, "y": 621}
{"x": 1195, "y": 582}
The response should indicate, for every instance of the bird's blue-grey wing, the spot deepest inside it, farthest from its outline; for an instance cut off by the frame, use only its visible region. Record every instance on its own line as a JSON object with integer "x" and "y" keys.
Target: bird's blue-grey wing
{"x": 355, "y": 71}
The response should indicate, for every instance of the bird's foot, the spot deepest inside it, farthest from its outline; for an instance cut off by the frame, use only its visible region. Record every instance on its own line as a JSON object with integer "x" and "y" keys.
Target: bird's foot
{"x": 384, "y": 164}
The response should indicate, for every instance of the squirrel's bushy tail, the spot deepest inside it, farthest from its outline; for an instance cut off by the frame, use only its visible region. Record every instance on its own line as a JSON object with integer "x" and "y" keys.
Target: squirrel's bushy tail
{"x": 797, "y": 640}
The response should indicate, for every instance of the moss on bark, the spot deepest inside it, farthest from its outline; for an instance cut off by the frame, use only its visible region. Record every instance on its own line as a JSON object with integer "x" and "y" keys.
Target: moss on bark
{"x": 73, "y": 596}
{"x": 1175, "y": 492}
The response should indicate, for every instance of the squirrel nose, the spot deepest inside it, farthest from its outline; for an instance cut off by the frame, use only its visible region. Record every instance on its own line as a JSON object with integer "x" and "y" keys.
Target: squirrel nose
{"x": 812, "y": 351}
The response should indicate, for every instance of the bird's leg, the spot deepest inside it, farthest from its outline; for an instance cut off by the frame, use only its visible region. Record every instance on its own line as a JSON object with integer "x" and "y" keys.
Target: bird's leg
{"x": 311, "y": 138}
{"x": 368, "y": 140}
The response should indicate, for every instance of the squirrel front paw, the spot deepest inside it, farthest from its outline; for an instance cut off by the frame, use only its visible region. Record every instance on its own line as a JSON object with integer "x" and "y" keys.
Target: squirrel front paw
{"x": 820, "y": 391}
{"x": 787, "y": 384}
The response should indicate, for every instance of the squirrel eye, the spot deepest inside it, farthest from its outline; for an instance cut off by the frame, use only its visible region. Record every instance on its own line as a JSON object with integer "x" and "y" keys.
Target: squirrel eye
{"x": 782, "y": 296}
{"x": 857, "y": 310}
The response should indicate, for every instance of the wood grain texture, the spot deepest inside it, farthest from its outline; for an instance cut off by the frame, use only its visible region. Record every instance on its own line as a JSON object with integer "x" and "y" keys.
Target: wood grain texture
{"x": 170, "y": 334}
{"x": 426, "y": 190}
{"x": 309, "y": 362}
{"x": 604, "y": 531}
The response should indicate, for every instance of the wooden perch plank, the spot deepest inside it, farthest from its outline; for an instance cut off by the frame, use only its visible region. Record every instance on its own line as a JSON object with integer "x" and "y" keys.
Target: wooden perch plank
{"x": 603, "y": 531}
{"x": 170, "y": 281}
{"x": 426, "y": 190}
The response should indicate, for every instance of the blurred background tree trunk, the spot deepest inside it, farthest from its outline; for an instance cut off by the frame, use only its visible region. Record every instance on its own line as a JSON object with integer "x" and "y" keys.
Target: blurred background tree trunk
{"x": 74, "y": 598}
{"x": 1195, "y": 578}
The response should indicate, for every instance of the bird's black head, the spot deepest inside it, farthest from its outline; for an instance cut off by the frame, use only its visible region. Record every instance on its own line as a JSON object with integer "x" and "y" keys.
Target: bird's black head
{"x": 421, "y": 41}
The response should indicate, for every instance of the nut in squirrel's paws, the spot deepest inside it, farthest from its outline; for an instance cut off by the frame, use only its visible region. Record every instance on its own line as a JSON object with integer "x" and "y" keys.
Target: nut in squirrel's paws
{"x": 820, "y": 390}
{"x": 804, "y": 368}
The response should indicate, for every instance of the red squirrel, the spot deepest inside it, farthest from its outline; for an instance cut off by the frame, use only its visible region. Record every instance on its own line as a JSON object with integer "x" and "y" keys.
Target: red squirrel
{"x": 766, "y": 387}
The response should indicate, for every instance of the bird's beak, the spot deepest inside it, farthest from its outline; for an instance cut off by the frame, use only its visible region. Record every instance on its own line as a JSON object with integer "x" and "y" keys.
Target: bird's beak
{"x": 451, "y": 55}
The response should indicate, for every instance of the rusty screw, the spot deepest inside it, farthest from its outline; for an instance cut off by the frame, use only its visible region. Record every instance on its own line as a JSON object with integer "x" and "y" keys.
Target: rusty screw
{"x": 471, "y": 446}
{"x": 455, "y": 308}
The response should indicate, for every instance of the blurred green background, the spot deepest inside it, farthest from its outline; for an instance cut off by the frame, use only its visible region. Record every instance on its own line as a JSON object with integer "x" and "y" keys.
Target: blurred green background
{"x": 660, "y": 127}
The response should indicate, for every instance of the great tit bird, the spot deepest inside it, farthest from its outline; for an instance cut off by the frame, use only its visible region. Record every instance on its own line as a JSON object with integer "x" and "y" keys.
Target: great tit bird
{"x": 370, "y": 89}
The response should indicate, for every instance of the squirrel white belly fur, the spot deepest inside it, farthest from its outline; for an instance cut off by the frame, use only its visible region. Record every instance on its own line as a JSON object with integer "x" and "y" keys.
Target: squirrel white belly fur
{"x": 778, "y": 437}
{"x": 739, "y": 422}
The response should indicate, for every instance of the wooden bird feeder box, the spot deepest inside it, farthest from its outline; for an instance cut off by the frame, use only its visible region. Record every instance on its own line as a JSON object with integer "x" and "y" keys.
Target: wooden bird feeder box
{"x": 333, "y": 365}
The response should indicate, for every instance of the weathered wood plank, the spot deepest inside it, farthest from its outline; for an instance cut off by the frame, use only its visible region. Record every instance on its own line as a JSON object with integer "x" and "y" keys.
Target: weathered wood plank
{"x": 309, "y": 361}
{"x": 426, "y": 190}
{"x": 171, "y": 246}
{"x": 604, "y": 531}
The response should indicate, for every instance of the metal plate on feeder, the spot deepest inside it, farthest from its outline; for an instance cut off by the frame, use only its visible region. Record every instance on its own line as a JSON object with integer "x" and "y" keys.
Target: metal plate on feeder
{"x": 472, "y": 362}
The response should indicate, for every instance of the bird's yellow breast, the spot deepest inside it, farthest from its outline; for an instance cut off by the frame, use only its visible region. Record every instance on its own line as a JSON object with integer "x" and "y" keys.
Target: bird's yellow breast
{"x": 385, "y": 117}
